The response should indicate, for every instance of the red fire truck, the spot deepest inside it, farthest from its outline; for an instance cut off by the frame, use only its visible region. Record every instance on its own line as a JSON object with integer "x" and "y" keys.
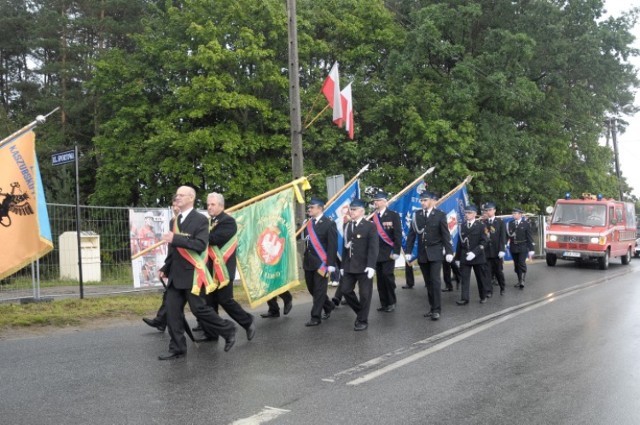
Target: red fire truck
{"x": 591, "y": 229}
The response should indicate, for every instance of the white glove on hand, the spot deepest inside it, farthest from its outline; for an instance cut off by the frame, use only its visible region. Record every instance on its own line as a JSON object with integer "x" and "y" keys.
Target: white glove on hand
{"x": 331, "y": 269}
{"x": 394, "y": 257}
{"x": 458, "y": 264}
{"x": 370, "y": 272}
{"x": 408, "y": 258}
{"x": 531, "y": 254}
{"x": 470, "y": 256}
{"x": 448, "y": 258}
{"x": 501, "y": 254}
{"x": 341, "y": 272}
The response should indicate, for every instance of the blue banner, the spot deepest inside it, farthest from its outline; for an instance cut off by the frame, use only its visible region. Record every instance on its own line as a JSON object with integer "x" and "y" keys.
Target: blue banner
{"x": 339, "y": 209}
{"x": 453, "y": 207}
{"x": 405, "y": 205}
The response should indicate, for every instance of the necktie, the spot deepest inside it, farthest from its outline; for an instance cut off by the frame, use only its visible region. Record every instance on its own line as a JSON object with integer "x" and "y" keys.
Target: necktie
{"x": 179, "y": 218}
{"x": 468, "y": 225}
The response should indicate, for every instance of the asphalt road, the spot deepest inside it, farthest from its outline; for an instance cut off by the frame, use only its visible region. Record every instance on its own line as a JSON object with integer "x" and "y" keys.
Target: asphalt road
{"x": 562, "y": 351}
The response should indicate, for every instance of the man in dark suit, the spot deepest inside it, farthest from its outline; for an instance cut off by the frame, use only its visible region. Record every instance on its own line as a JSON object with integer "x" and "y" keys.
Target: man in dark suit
{"x": 187, "y": 274}
{"x": 359, "y": 256}
{"x": 319, "y": 261}
{"x": 429, "y": 227}
{"x": 222, "y": 245}
{"x": 389, "y": 229}
{"x": 520, "y": 245}
{"x": 496, "y": 248}
{"x": 471, "y": 254}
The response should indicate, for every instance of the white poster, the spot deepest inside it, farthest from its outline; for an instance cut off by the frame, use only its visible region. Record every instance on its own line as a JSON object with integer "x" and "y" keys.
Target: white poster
{"x": 146, "y": 227}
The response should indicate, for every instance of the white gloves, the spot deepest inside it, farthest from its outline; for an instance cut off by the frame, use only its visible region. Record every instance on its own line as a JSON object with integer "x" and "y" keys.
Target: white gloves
{"x": 394, "y": 256}
{"x": 501, "y": 254}
{"x": 331, "y": 269}
{"x": 370, "y": 272}
{"x": 531, "y": 254}
{"x": 448, "y": 258}
{"x": 408, "y": 258}
{"x": 470, "y": 256}
{"x": 458, "y": 264}
{"x": 341, "y": 272}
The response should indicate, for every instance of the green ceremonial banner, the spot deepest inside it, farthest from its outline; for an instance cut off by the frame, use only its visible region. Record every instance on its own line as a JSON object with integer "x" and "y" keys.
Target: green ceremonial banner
{"x": 266, "y": 253}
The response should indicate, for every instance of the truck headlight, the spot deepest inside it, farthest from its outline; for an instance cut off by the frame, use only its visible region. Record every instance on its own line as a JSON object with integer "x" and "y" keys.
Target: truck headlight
{"x": 553, "y": 238}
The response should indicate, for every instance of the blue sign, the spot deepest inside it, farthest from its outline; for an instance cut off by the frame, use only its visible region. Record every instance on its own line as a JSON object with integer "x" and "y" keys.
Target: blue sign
{"x": 63, "y": 157}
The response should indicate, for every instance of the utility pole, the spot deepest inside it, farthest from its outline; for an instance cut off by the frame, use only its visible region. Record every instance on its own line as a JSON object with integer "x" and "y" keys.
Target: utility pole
{"x": 614, "y": 141}
{"x": 294, "y": 104}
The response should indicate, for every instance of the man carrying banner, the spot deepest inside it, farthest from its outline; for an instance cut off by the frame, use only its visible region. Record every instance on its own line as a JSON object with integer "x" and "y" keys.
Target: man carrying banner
{"x": 188, "y": 277}
{"x": 359, "y": 256}
{"x": 497, "y": 247}
{"x": 520, "y": 245}
{"x": 389, "y": 229}
{"x": 319, "y": 261}
{"x": 471, "y": 254}
{"x": 222, "y": 264}
{"x": 429, "y": 227}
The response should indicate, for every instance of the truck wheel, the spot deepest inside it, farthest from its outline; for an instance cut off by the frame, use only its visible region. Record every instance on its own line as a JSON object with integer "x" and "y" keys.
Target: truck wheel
{"x": 626, "y": 258}
{"x": 551, "y": 260}
{"x": 603, "y": 262}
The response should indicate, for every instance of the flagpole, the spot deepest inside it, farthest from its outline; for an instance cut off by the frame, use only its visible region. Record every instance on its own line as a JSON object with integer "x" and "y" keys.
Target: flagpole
{"x": 454, "y": 190}
{"x": 317, "y": 116}
{"x": 40, "y": 119}
{"x": 338, "y": 193}
{"x": 312, "y": 107}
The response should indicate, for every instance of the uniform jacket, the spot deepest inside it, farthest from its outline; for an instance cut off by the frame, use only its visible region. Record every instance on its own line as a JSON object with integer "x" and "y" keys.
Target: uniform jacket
{"x": 497, "y": 233}
{"x": 327, "y": 233}
{"x": 392, "y": 226}
{"x": 432, "y": 234}
{"x": 520, "y": 237}
{"x": 194, "y": 235}
{"x": 363, "y": 251}
{"x": 472, "y": 239}
{"x": 223, "y": 228}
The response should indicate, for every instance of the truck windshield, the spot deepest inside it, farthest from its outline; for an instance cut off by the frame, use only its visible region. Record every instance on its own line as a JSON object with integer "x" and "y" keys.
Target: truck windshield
{"x": 583, "y": 214}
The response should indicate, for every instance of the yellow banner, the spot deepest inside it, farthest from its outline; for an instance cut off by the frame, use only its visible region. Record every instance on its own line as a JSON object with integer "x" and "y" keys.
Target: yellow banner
{"x": 25, "y": 234}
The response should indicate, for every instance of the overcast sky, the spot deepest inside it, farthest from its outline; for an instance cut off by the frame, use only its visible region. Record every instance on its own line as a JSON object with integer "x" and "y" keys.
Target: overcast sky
{"x": 629, "y": 142}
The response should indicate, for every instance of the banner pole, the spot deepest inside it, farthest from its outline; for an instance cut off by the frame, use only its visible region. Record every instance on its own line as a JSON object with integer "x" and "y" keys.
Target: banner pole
{"x": 454, "y": 190}
{"x": 40, "y": 119}
{"x": 317, "y": 116}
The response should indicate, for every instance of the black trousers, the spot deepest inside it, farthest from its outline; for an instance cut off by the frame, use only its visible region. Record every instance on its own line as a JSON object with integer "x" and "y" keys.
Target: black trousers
{"x": 447, "y": 269}
{"x": 465, "y": 272}
{"x": 317, "y": 286}
{"x": 211, "y": 323}
{"x": 408, "y": 275}
{"x": 494, "y": 268}
{"x": 224, "y": 298}
{"x": 386, "y": 282}
{"x": 273, "y": 302}
{"x": 161, "y": 315}
{"x": 520, "y": 263}
{"x": 365, "y": 290}
{"x": 431, "y": 274}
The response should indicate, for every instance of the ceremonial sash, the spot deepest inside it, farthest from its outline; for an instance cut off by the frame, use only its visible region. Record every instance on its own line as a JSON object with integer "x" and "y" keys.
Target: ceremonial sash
{"x": 383, "y": 235}
{"x": 201, "y": 276}
{"x": 219, "y": 258}
{"x": 317, "y": 246}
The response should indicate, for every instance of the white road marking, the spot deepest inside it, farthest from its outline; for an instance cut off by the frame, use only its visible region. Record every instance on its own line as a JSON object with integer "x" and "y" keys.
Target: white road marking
{"x": 265, "y": 415}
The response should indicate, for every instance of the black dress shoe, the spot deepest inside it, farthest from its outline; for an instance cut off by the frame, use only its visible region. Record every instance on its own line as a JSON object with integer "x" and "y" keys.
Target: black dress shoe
{"x": 207, "y": 338}
{"x": 336, "y": 301}
{"x": 197, "y": 329}
{"x": 269, "y": 314}
{"x": 382, "y": 308}
{"x": 229, "y": 341}
{"x": 521, "y": 285}
{"x": 287, "y": 307}
{"x": 435, "y": 316}
{"x": 447, "y": 290}
{"x": 390, "y": 308}
{"x": 326, "y": 315}
{"x": 155, "y": 323}
{"x": 428, "y": 314}
{"x": 483, "y": 300}
{"x": 312, "y": 322}
{"x": 360, "y": 326}
{"x": 171, "y": 355}
{"x": 489, "y": 294}
{"x": 502, "y": 292}
{"x": 251, "y": 330}
{"x": 407, "y": 287}
{"x": 462, "y": 302}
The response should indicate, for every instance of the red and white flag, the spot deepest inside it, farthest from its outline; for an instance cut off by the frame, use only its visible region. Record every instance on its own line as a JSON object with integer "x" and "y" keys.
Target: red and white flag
{"x": 347, "y": 108}
{"x": 331, "y": 90}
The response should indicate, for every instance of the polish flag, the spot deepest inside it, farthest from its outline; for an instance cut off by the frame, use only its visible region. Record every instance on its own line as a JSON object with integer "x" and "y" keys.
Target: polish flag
{"x": 347, "y": 107}
{"x": 331, "y": 90}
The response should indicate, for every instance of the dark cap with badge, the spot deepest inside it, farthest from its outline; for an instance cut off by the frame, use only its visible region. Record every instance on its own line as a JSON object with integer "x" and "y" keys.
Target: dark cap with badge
{"x": 428, "y": 195}
{"x": 381, "y": 196}
{"x": 316, "y": 202}
{"x": 489, "y": 206}
{"x": 471, "y": 209}
{"x": 357, "y": 203}
{"x": 517, "y": 210}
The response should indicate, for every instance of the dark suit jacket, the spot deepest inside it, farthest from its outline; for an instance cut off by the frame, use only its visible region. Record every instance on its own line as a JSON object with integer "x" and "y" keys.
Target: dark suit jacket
{"x": 520, "y": 237}
{"x": 364, "y": 247}
{"x": 497, "y": 237}
{"x": 473, "y": 239}
{"x": 435, "y": 236}
{"x": 194, "y": 234}
{"x": 327, "y": 234}
{"x": 223, "y": 227}
{"x": 392, "y": 226}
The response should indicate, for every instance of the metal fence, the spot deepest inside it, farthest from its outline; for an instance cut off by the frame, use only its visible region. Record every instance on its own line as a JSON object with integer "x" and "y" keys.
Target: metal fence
{"x": 104, "y": 230}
